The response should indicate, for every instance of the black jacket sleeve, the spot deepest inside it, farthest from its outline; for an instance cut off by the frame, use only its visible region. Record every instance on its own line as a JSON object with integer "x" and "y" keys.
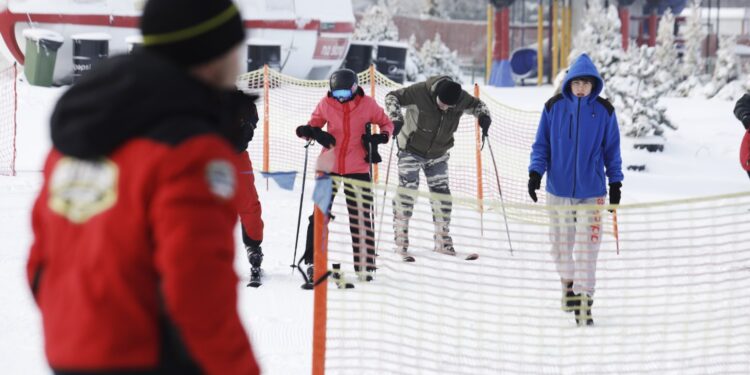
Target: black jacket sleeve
{"x": 742, "y": 110}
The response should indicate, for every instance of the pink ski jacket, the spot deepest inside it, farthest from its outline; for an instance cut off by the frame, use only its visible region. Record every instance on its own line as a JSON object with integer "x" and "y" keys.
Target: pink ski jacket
{"x": 346, "y": 122}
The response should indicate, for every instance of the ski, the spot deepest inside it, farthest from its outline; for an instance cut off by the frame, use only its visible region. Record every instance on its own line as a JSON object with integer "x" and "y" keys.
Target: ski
{"x": 254, "y": 284}
{"x": 472, "y": 256}
{"x": 466, "y": 257}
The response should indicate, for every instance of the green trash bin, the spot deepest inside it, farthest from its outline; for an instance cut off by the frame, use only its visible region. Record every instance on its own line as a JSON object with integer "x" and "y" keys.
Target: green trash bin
{"x": 41, "y": 53}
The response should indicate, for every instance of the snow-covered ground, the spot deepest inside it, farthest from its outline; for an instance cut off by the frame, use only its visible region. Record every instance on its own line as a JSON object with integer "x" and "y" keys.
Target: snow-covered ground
{"x": 699, "y": 159}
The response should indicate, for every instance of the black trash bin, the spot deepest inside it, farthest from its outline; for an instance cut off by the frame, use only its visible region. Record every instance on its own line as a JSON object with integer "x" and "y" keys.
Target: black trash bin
{"x": 261, "y": 52}
{"x": 88, "y": 51}
{"x": 391, "y": 60}
{"x": 359, "y": 57}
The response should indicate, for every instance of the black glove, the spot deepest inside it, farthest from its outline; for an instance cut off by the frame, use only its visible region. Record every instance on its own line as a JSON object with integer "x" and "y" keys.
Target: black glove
{"x": 397, "y": 125}
{"x": 370, "y": 142}
{"x": 614, "y": 193}
{"x": 484, "y": 123}
{"x": 305, "y": 131}
{"x": 323, "y": 137}
{"x": 535, "y": 183}
{"x": 375, "y": 139}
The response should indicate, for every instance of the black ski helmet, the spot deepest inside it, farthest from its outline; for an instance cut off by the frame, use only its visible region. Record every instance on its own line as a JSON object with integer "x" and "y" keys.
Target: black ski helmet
{"x": 343, "y": 79}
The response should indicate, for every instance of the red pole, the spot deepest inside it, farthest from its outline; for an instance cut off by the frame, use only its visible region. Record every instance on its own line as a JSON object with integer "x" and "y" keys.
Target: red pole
{"x": 625, "y": 26}
{"x": 478, "y": 152}
{"x": 652, "y": 24}
{"x": 501, "y": 50}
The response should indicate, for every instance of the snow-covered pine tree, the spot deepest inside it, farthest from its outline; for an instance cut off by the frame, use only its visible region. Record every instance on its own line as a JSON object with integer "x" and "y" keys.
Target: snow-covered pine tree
{"x": 376, "y": 24}
{"x": 691, "y": 67}
{"x": 438, "y": 59}
{"x": 629, "y": 78}
{"x": 637, "y": 94}
{"x": 665, "y": 55}
{"x": 726, "y": 69}
{"x": 414, "y": 65}
{"x": 600, "y": 38}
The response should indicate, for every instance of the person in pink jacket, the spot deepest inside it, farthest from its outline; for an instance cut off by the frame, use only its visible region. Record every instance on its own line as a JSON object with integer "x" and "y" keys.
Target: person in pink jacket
{"x": 347, "y": 113}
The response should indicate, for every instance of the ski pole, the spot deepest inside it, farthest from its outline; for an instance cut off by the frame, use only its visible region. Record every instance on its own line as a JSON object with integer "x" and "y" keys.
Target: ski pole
{"x": 368, "y": 129}
{"x": 617, "y": 233}
{"x": 301, "y": 198}
{"x": 500, "y": 190}
{"x": 385, "y": 192}
{"x": 373, "y": 204}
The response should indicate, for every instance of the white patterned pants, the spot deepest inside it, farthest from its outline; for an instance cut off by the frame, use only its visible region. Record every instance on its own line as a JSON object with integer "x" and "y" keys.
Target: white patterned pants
{"x": 576, "y": 238}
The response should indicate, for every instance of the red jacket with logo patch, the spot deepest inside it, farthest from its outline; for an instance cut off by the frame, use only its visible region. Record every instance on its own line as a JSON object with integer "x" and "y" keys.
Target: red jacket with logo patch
{"x": 132, "y": 259}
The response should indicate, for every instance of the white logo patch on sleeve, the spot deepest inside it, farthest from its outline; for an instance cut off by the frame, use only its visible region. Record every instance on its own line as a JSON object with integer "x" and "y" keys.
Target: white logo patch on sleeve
{"x": 221, "y": 179}
{"x": 80, "y": 189}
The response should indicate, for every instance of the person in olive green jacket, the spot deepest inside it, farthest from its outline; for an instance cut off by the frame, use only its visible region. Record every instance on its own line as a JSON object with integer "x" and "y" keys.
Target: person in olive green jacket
{"x": 425, "y": 137}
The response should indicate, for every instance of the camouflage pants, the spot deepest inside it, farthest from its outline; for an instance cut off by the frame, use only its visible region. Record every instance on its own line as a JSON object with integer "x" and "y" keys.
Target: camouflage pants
{"x": 436, "y": 174}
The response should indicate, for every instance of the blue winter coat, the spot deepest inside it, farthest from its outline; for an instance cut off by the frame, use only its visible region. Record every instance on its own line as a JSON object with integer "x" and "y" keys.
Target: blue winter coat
{"x": 577, "y": 139}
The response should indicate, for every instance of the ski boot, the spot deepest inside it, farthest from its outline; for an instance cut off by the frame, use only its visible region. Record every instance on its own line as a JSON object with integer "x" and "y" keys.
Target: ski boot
{"x": 583, "y": 304}
{"x": 443, "y": 240}
{"x": 338, "y": 277}
{"x": 366, "y": 275}
{"x": 255, "y": 256}
{"x": 401, "y": 239}
{"x": 568, "y": 297}
{"x": 444, "y": 245}
{"x": 310, "y": 273}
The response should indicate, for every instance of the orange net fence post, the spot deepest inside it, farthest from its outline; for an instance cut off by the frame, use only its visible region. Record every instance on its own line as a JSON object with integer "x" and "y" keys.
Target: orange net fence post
{"x": 320, "y": 313}
{"x": 480, "y": 190}
{"x": 266, "y": 101}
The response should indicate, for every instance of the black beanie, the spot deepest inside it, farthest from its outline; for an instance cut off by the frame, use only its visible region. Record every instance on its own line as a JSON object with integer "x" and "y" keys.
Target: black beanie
{"x": 191, "y": 32}
{"x": 448, "y": 92}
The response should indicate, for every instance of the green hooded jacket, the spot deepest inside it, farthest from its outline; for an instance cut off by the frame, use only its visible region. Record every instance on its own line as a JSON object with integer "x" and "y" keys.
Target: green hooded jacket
{"x": 428, "y": 131}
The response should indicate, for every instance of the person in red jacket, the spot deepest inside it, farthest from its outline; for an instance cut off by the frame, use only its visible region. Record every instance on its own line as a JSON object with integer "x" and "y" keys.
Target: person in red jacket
{"x": 132, "y": 259}
{"x": 742, "y": 112}
{"x": 249, "y": 208}
{"x": 347, "y": 112}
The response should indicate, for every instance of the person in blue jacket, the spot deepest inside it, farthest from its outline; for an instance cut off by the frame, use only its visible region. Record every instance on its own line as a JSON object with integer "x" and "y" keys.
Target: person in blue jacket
{"x": 578, "y": 139}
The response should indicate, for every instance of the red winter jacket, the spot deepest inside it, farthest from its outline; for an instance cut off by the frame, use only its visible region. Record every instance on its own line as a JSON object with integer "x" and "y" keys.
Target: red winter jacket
{"x": 132, "y": 259}
{"x": 745, "y": 152}
{"x": 346, "y": 122}
{"x": 248, "y": 204}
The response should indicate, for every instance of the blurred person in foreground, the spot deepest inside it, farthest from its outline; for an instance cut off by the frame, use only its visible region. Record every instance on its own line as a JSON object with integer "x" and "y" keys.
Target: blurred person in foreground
{"x": 132, "y": 259}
